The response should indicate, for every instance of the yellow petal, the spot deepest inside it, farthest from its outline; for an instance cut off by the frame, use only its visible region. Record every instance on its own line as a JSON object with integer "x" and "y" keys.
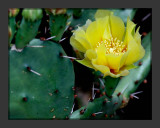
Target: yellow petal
{"x": 136, "y": 52}
{"x": 103, "y": 69}
{"x": 128, "y": 67}
{"x": 86, "y": 62}
{"x": 102, "y": 13}
{"x": 117, "y": 27}
{"x": 83, "y": 42}
{"x": 93, "y": 34}
{"x": 124, "y": 58}
{"x": 137, "y": 36}
{"x": 123, "y": 73}
{"x": 84, "y": 27}
{"x": 107, "y": 34}
{"x": 120, "y": 73}
{"x": 104, "y": 27}
{"x": 90, "y": 54}
{"x": 106, "y": 71}
{"x": 130, "y": 30}
{"x": 77, "y": 45}
{"x": 80, "y": 36}
{"x": 101, "y": 55}
{"x": 114, "y": 61}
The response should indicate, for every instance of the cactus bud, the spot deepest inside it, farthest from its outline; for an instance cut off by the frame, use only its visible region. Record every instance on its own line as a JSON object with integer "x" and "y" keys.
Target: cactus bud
{"x": 13, "y": 12}
{"x": 56, "y": 11}
{"x": 9, "y": 32}
{"x": 32, "y": 14}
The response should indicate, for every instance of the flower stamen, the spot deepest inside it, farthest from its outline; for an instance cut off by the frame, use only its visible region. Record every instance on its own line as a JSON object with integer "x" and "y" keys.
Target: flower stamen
{"x": 113, "y": 45}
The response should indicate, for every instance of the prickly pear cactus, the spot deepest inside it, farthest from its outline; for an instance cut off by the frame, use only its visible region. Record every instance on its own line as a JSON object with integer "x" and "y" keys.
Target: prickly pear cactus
{"x": 28, "y": 28}
{"x": 12, "y": 23}
{"x": 42, "y": 82}
{"x": 37, "y": 88}
{"x": 105, "y": 107}
{"x": 59, "y": 21}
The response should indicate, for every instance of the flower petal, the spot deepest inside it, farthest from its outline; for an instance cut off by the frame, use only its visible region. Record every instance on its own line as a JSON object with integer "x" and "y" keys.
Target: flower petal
{"x": 84, "y": 27}
{"x": 137, "y": 36}
{"x": 86, "y": 62}
{"x": 106, "y": 71}
{"x": 120, "y": 73}
{"x": 107, "y": 34}
{"x": 136, "y": 52}
{"x": 129, "y": 67}
{"x": 104, "y": 27}
{"x": 90, "y": 54}
{"x": 130, "y": 31}
{"x": 114, "y": 61}
{"x": 77, "y": 45}
{"x": 102, "y": 68}
{"x": 102, "y": 13}
{"x": 92, "y": 34}
{"x": 101, "y": 55}
{"x": 80, "y": 36}
{"x": 124, "y": 58}
{"x": 117, "y": 27}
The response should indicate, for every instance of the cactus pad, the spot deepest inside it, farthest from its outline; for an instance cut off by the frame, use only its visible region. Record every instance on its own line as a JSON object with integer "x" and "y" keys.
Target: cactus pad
{"x": 29, "y": 27}
{"x": 44, "y": 94}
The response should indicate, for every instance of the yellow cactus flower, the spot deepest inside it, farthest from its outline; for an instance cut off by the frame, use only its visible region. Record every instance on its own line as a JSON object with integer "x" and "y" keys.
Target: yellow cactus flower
{"x": 107, "y": 45}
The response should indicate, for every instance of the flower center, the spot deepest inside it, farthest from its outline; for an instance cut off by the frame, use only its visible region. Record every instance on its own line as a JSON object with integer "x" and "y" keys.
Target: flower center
{"x": 113, "y": 46}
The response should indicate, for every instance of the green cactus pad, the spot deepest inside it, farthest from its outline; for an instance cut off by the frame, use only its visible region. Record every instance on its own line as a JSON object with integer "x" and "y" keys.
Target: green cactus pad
{"x": 58, "y": 24}
{"x": 107, "y": 84}
{"x": 100, "y": 107}
{"x": 11, "y": 28}
{"x": 29, "y": 27}
{"x": 137, "y": 75}
{"x": 13, "y": 12}
{"x": 110, "y": 85}
{"x": 47, "y": 95}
